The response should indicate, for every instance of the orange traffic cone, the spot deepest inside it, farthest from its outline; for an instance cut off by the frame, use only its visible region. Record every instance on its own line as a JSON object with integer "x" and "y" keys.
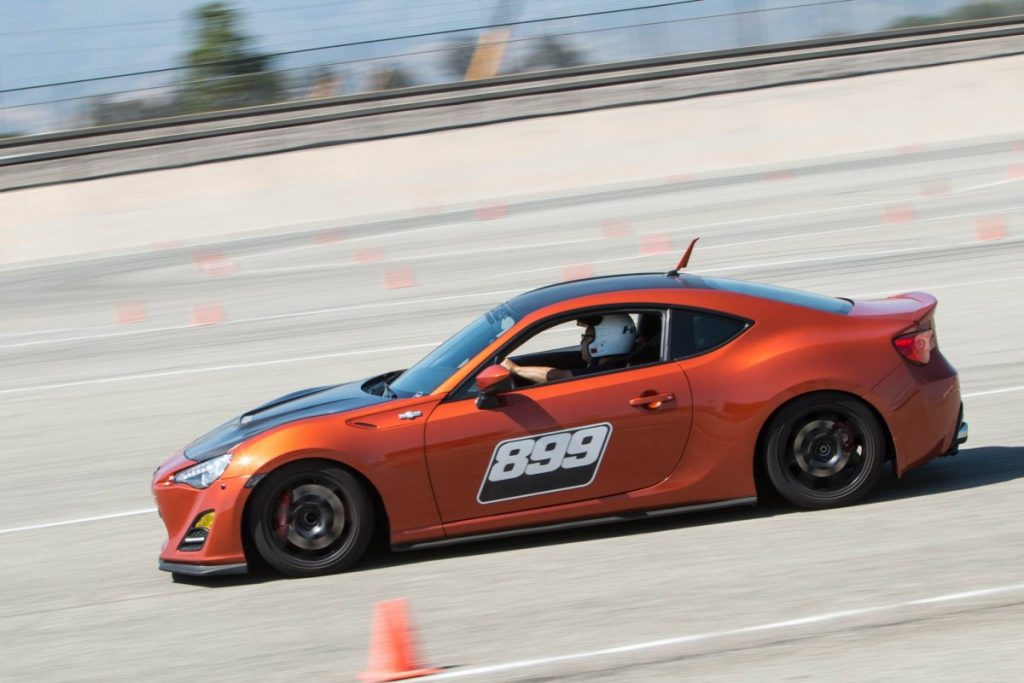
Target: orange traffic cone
{"x": 392, "y": 650}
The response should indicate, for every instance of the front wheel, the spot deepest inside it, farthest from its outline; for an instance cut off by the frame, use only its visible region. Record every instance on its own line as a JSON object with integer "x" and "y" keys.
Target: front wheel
{"x": 310, "y": 519}
{"x": 824, "y": 450}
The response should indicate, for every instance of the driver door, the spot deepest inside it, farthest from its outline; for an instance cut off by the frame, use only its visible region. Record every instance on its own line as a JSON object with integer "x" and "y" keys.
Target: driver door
{"x": 559, "y": 442}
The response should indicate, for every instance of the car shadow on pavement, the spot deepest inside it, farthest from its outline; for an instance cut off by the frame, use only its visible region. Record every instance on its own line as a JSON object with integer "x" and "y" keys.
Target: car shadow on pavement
{"x": 971, "y": 468}
{"x": 968, "y": 469}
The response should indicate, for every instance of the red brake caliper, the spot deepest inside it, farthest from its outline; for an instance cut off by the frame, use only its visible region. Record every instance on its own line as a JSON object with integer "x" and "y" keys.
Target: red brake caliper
{"x": 848, "y": 445}
{"x": 281, "y": 517}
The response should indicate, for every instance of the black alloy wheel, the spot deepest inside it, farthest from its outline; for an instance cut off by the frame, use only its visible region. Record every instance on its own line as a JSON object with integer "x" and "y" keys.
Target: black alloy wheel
{"x": 824, "y": 450}
{"x": 310, "y": 518}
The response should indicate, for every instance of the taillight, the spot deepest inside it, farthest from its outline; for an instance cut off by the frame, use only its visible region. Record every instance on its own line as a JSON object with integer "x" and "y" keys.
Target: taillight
{"x": 916, "y": 346}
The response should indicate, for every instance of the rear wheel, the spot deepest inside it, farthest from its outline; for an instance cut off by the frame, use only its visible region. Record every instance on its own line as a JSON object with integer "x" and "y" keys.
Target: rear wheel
{"x": 824, "y": 450}
{"x": 311, "y": 518}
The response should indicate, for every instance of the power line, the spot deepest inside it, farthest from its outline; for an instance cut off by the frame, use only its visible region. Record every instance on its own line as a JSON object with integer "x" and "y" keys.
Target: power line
{"x": 150, "y": 45}
{"x": 427, "y": 51}
{"x": 160, "y": 22}
{"x": 368, "y": 41}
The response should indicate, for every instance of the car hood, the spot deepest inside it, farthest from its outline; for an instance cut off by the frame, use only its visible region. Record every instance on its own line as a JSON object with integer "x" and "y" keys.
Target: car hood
{"x": 298, "y": 405}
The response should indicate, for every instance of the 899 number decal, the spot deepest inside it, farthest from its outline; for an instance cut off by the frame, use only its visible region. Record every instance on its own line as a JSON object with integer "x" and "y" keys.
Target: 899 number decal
{"x": 544, "y": 463}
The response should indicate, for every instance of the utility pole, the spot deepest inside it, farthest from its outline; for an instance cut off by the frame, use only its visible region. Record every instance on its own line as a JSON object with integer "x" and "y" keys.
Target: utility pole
{"x": 490, "y": 47}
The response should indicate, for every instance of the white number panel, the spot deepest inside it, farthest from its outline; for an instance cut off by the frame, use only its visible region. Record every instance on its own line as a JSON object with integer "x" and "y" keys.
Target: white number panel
{"x": 544, "y": 463}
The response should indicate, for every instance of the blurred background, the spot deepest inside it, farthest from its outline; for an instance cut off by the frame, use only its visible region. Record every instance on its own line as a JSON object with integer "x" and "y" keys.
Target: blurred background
{"x": 207, "y": 205}
{"x": 65, "y": 65}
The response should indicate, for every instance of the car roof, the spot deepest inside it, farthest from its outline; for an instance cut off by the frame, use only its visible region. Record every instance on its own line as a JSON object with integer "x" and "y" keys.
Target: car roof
{"x": 536, "y": 299}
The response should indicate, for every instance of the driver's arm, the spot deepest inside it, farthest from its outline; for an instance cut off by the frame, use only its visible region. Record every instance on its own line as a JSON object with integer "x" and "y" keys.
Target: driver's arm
{"x": 535, "y": 373}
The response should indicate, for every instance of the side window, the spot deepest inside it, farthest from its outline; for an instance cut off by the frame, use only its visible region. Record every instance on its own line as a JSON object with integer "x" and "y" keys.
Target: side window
{"x": 561, "y": 337}
{"x": 570, "y": 347}
{"x": 694, "y": 332}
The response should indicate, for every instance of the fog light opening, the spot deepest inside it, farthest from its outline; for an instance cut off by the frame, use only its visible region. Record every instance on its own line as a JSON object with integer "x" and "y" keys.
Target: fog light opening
{"x": 197, "y": 534}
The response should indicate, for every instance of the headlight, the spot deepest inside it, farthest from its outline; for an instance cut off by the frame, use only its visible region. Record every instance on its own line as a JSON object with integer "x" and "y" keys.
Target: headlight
{"x": 205, "y": 473}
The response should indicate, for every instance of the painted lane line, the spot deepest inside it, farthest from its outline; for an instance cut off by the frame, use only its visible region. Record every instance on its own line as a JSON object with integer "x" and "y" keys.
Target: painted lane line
{"x": 655, "y": 214}
{"x": 141, "y": 512}
{"x": 471, "y": 224}
{"x": 212, "y": 368}
{"x": 856, "y": 228}
{"x": 80, "y": 520}
{"x": 985, "y": 186}
{"x": 972, "y": 214}
{"x": 353, "y": 307}
{"x": 728, "y": 633}
{"x": 432, "y": 256}
{"x": 401, "y": 302}
{"x": 859, "y": 255}
{"x": 989, "y": 392}
{"x": 928, "y": 288}
{"x": 437, "y": 256}
{"x": 368, "y": 351}
{"x": 621, "y": 259}
{"x": 52, "y": 330}
{"x": 815, "y": 259}
{"x": 263, "y": 318}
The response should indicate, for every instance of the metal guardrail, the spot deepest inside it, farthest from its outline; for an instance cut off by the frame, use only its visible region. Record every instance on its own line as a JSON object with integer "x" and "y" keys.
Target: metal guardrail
{"x": 525, "y": 94}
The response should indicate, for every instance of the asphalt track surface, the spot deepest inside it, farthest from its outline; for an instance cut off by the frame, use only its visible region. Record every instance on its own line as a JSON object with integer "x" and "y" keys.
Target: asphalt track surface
{"x": 91, "y": 407}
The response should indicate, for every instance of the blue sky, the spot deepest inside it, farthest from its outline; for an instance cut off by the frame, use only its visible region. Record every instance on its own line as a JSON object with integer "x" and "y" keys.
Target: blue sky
{"x": 48, "y": 41}
{"x": 54, "y": 40}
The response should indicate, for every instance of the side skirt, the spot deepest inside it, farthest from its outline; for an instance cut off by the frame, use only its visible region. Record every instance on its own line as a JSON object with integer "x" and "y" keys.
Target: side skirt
{"x": 594, "y": 521}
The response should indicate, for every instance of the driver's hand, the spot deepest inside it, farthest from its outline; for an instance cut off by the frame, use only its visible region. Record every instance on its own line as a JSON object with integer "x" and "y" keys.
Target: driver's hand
{"x": 509, "y": 365}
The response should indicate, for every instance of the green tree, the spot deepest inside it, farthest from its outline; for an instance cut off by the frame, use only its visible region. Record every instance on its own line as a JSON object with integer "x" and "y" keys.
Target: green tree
{"x": 390, "y": 78}
{"x": 457, "y": 56}
{"x": 223, "y": 70}
{"x": 550, "y": 52}
{"x": 983, "y": 9}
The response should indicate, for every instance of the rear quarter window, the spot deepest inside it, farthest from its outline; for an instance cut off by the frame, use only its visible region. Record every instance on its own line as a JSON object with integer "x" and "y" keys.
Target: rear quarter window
{"x": 696, "y": 332}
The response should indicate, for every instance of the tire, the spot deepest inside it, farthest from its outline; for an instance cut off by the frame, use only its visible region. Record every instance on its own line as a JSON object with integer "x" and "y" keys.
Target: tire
{"x": 824, "y": 450}
{"x": 311, "y": 518}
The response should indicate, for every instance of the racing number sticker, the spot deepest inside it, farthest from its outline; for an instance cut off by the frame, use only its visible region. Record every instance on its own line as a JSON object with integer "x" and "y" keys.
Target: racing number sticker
{"x": 544, "y": 463}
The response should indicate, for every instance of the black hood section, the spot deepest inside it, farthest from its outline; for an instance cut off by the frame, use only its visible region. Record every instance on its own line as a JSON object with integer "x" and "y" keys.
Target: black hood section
{"x": 289, "y": 408}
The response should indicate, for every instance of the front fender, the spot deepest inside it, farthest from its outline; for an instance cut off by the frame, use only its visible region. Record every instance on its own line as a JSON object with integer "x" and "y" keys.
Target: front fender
{"x": 385, "y": 450}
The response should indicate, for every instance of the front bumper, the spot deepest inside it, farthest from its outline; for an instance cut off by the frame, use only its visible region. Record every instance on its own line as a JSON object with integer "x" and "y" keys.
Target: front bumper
{"x": 180, "y": 507}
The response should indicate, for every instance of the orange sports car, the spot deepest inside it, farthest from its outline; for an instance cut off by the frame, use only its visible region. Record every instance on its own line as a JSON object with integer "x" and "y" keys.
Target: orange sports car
{"x": 603, "y": 399}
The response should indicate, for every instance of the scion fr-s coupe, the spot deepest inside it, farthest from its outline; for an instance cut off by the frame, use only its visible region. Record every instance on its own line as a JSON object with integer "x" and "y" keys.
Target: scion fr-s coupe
{"x": 600, "y": 399}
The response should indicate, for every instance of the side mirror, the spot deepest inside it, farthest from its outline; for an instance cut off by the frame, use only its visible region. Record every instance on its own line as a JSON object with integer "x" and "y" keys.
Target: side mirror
{"x": 491, "y": 381}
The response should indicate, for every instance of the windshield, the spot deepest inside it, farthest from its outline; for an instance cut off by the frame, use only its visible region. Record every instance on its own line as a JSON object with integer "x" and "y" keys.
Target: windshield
{"x": 440, "y": 363}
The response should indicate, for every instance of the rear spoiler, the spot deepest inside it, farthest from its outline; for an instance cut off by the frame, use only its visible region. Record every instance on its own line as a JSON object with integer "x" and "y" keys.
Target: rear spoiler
{"x": 911, "y": 306}
{"x": 926, "y": 303}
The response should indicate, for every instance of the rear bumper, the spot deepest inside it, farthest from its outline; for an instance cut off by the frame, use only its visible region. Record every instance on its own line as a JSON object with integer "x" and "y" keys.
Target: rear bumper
{"x": 922, "y": 407}
{"x": 962, "y": 432}
{"x": 204, "y": 569}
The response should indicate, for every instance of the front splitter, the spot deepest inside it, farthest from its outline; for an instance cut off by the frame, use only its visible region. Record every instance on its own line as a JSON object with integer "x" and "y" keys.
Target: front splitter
{"x": 204, "y": 569}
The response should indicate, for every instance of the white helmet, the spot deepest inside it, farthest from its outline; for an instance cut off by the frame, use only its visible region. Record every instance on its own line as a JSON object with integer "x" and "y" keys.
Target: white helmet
{"x": 614, "y": 335}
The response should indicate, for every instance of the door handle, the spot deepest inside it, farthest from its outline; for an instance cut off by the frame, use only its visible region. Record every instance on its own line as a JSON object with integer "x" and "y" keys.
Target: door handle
{"x": 651, "y": 401}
